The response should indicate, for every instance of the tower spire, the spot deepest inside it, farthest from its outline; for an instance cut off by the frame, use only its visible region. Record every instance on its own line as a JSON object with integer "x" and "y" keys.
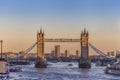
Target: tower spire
{"x": 40, "y": 30}
{"x": 84, "y": 30}
{"x": 43, "y": 32}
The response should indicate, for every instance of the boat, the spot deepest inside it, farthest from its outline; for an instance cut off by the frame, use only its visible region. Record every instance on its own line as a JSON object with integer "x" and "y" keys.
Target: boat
{"x": 113, "y": 68}
{"x": 4, "y": 73}
{"x": 70, "y": 64}
{"x": 16, "y": 69}
{"x": 4, "y": 76}
{"x": 98, "y": 63}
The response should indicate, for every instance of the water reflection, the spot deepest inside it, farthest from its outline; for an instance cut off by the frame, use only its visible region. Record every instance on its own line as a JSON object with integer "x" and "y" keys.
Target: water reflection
{"x": 60, "y": 71}
{"x": 41, "y": 69}
{"x": 85, "y": 71}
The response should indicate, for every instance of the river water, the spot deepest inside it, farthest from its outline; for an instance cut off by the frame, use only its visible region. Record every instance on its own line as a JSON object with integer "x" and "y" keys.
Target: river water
{"x": 61, "y": 71}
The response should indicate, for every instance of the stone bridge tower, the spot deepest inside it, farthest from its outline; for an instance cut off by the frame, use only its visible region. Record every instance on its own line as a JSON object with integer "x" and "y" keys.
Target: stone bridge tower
{"x": 40, "y": 44}
{"x": 84, "y": 44}
{"x": 41, "y": 60}
{"x": 84, "y": 59}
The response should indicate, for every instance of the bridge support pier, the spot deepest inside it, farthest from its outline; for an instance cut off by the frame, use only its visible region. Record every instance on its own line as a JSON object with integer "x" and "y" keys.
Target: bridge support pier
{"x": 40, "y": 63}
{"x": 84, "y": 63}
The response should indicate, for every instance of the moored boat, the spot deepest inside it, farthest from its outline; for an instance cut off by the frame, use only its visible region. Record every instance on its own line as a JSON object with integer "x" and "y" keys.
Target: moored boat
{"x": 16, "y": 69}
{"x": 4, "y": 74}
{"x": 113, "y": 68}
{"x": 70, "y": 64}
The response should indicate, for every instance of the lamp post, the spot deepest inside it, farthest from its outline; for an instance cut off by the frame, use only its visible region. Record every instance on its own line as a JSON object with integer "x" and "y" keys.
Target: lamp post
{"x": 1, "y": 47}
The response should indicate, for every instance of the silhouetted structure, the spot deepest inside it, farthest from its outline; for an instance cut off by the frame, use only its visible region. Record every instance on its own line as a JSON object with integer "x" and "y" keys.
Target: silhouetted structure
{"x": 57, "y": 51}
{"x": 67, "y": 53}
{"x": 53, "y": 53}
{"x": 77, "y": 54}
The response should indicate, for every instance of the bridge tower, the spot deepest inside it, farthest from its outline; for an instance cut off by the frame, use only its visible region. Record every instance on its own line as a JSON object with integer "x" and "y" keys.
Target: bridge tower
{"x": 40, "y": 44}
{"x": 41, "y": 60}
{"x": 84, "y": 61}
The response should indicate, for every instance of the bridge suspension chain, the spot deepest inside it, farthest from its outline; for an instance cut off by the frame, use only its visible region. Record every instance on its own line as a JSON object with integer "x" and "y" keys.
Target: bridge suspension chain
{"x": 98, "y": 51}
{"x": 22, "y": 53}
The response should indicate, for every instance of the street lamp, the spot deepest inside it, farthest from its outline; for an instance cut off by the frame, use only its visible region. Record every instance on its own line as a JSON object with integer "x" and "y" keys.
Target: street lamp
{"x": 1, "y": 47}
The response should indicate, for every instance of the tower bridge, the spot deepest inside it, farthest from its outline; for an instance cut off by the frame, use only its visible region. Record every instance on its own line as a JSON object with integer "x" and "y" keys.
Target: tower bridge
{"x": 84, "y": 46}
{"x": 41, "y": 40}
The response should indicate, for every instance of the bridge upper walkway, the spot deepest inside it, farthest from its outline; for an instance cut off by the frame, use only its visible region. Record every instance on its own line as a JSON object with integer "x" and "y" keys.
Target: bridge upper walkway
{"x": 62, "y": 40}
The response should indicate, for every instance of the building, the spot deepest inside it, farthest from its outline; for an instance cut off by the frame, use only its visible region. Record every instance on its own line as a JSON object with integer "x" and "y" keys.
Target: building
{"x": 32, "y": 55}
{"x": 112, "y": 54}
{"x": 77, "y": 53}
{"x": 11, "y": 54}
{"x": 67, "y": 53}
{"x": 118, "y": 53}
{"x": 53, "y": 53}
{"x": 25, "y": 56}
{"x": 57, "y": 51}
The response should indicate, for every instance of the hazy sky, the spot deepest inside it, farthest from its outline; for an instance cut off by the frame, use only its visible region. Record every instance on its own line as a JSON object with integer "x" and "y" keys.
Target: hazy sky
{"x": 20, "y": 20}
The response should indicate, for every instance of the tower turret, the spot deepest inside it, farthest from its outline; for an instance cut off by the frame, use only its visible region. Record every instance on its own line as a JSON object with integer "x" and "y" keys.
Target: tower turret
{"x": 40, "y": 30}
{"x": 87, "y": 33}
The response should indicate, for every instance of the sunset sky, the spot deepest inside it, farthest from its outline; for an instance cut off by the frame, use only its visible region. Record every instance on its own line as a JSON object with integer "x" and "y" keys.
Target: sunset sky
{"x": 20, "y": 20}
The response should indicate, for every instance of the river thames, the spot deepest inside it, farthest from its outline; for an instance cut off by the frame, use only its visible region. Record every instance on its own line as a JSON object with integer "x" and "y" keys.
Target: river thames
{"x": 62, "y": 71}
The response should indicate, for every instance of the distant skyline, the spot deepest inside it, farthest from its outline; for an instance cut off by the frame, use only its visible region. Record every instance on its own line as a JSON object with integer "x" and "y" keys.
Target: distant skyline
{"x": 20, "y": 20}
